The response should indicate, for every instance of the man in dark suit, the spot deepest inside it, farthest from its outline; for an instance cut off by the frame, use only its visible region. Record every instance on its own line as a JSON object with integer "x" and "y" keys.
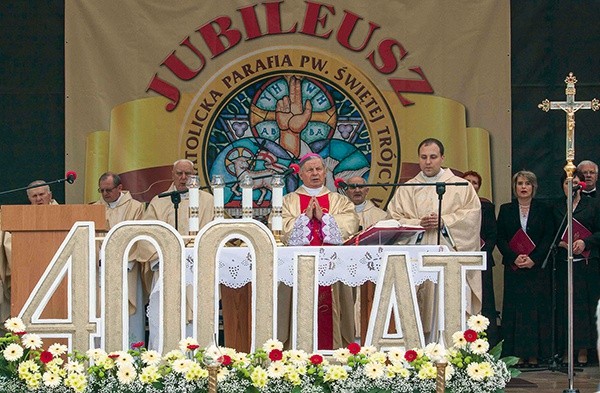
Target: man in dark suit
{"x": 590, "y": 171}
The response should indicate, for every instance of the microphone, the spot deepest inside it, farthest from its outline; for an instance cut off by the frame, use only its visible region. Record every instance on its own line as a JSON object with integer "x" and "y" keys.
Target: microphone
{"x": 576, "y": 188}
{"x": 171, "y": 193}
{"x": 287, "y": 172}
{"x": 339, "y": 183}
{"x": 70, "y": 177}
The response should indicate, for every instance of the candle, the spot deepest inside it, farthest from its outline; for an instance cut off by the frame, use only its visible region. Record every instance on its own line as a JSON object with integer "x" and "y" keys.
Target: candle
{"x": 218, "y": 186}
{"x": 194, "y": 203}
{"x": 247, "y": 184}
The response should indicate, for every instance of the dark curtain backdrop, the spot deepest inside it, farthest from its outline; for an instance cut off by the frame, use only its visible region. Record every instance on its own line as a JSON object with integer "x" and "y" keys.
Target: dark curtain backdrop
{"x": 549, "y": 39}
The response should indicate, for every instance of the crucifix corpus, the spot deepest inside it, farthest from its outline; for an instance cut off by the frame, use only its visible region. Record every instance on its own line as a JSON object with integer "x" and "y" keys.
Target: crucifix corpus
{"x": 570, "y": 106}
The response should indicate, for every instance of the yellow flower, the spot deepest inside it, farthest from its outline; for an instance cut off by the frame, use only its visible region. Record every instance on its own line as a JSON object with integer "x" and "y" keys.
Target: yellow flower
{"x": 193, "y": 372}
{"x": 293, "y": 377}
{"x": 33, "y": 380}
{"x": 76, "y": 381}
{"x": 173, "y": 355}
{"x": 378, "y": 357}
{"x": 13, "y": 352}
{"x": 486, "y": 369}
{"x": 335, "y": 373}
{"x": 149, "y": 375}
{"x": 259, "y": 377}
{"x": 427, "y": 371}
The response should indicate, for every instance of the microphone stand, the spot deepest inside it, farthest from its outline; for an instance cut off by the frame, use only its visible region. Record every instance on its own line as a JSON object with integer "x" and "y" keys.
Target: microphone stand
{"x": 48, "y": 183}
{"x": 176, "y": 199}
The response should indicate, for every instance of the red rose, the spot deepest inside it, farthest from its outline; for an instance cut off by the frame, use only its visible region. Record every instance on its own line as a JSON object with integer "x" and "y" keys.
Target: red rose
{"x": 193, "y": 347}
{"x": 138, "y": 344}
{"x": 316, "y": 359}
{"x": 275, "y": 355}
{"x": 354, "y": 348}
{"x": 46, "y": 357}
{"x": 410, "y": 355}
{"x": 21, "y": 333}
{"x": 225, "y": 360}
{"x": 113, "y": 355}
{"x": 470, "y": 335}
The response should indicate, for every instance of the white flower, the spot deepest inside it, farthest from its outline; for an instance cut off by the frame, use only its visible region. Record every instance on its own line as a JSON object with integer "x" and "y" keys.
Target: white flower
{"x": 173, "y": 355}
{"x": 186, "y": 342}
{"x": 76, "y": 381}
{"x": 296, "y": 356}
{"x": 259, "y": 377}
{"x": 449, "y": 371}
{"x": 276, "y": 370}
{"x": 181, "y": 366}
{"x": 14, "y": 325}
{"x": 378, "y": 357}
{"x": 126, "y": 373}
{"x": 374, "y": 370}
{"x": 124, "y": 358}
{"x": 57, "y": 349}
{"x": 32, "y": 341}
{"x": 272, "y": 344}
{"x": 396, "y": 355}
{"x": 368, "y": 350}
{"x": 479, "y": 346}
{"x": 51, "y": 379}
{"x": 221, "y": 375}
{"x": 150, "y": 358}
{"x": 341, "y": 355}
{"x": 458, "y": 339}
{"x": 478, "y": 323}
{"x": 427, "y": 371}
{"x": 74, "y": 366}
{"x": 487, "y": 369}
{"x": 13, "y": 352}
{"x": 476, "y": 372}
{"x": 435, "y": 352}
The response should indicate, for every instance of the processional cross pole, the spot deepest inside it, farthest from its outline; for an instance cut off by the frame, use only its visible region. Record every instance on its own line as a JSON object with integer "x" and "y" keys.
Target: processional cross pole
{"x": 570, "y": 106}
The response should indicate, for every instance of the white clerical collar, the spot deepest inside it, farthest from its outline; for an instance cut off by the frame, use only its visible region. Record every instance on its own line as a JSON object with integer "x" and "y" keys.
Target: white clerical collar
{"x": 434, "y": 179}
{"x": 360, "y": 208}
{"x": 313, "y": 191}
{"x": 112, "y": 205}
{"x": 589, "y": 192}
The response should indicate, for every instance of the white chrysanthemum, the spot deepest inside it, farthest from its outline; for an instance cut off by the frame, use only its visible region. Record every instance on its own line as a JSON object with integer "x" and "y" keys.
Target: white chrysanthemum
{"x": 76, "y": 381}
{"x": 479, "y": 346}
{"x": 57, "y": 349}
{"x": 33, "y": 381}
{"x": 449, "y": 372}
{"x": 14, "y": 325}
{"x": 335, "y": 373}
{"x": 126, "y": 373}
{"x": 272, "y": 344}
{"x": 28, "y": 366}
{"x": 458, "y": 339}
{"x": 31, "y": 341}
{"x": 186, "y": 342}
{"x": 475, "y": 371}
{"x": 478, "y": 323}
{"x": 53, "y": 366}
{"x": 341, "y": 355}
{"x": 150, "y": 358}
{"x": 435, "y": 352}
{"x": 374, "y": 370}
{"x": 51, "y": 379}
{"x": 13, "y": 352}
{"x": 396, "y": 355}
{"x": 296, "y": 356}
{"x": 259, "y": 377}
{"x": 294, "y": 378}
{"x": 96, "y": 354}
{"x": 368, "y": 350}
{"x": 149, "y": 375}
{"x": 173, "y": 355}
{"x": 73, "y": 366}
{"x": 276, "y": 370}
{"x": 222, "y": 374}
{"x": 181, "y": 366}
{"x": 378, "y": 357}
{"x": 427, "y": 371}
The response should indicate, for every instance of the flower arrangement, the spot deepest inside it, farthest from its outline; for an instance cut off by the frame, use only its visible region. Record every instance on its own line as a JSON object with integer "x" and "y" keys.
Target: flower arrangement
{"x": 25, "y": 366}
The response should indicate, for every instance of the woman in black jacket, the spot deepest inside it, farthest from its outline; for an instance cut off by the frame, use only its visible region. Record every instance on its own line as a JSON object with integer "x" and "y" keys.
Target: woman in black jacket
{"x": 526, "y": 313}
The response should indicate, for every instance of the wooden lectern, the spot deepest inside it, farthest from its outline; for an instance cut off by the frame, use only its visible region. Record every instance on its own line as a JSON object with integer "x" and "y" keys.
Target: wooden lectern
{"x": 37, "y": 233}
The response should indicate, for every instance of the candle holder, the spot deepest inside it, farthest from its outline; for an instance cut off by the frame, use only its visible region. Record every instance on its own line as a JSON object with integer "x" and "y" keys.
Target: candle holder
{"x": 193, "y": 185}
{"x": 218, "y": 187}
{"x": 246, "y": 184}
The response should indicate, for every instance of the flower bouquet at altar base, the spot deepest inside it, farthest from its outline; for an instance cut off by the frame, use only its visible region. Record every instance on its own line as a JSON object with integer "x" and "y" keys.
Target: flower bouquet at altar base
{"x": 25, "y": 366}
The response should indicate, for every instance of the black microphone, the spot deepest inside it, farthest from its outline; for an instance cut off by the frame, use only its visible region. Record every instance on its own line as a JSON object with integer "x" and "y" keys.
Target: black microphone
{"x": 577, "y": 187}
{"x": 287, "y": 172}
{"x": 171, "y": 193}
{"x": 70, "y": 177}
{"x": 342, "y": 184}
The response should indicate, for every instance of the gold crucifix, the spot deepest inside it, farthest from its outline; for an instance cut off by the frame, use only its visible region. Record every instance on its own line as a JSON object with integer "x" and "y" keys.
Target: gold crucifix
{"x": 570, "y": 106}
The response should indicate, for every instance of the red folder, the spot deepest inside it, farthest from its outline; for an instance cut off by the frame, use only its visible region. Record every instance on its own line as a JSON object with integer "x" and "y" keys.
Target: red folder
{"x": 521, "y": 243}
{"x": 383, "y": 234}
{"x": 579, "y": 232}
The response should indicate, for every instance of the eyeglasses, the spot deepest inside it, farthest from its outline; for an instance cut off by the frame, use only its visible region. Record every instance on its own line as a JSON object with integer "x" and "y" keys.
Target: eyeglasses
{"x": 353, "y": 186}
{"x": 103, "y": 190}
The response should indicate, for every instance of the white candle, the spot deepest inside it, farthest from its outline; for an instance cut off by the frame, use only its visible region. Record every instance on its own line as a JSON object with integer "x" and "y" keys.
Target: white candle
{"x": 276, "y": 223}
{"x": 247, "y": 198}
{"x": 277, "y": 197}
{"x": 219, "y": 197}
{"x": 194, "y": 205}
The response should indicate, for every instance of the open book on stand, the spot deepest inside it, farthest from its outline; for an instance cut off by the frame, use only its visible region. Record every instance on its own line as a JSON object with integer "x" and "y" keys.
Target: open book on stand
{"x": 386, "y": 232}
